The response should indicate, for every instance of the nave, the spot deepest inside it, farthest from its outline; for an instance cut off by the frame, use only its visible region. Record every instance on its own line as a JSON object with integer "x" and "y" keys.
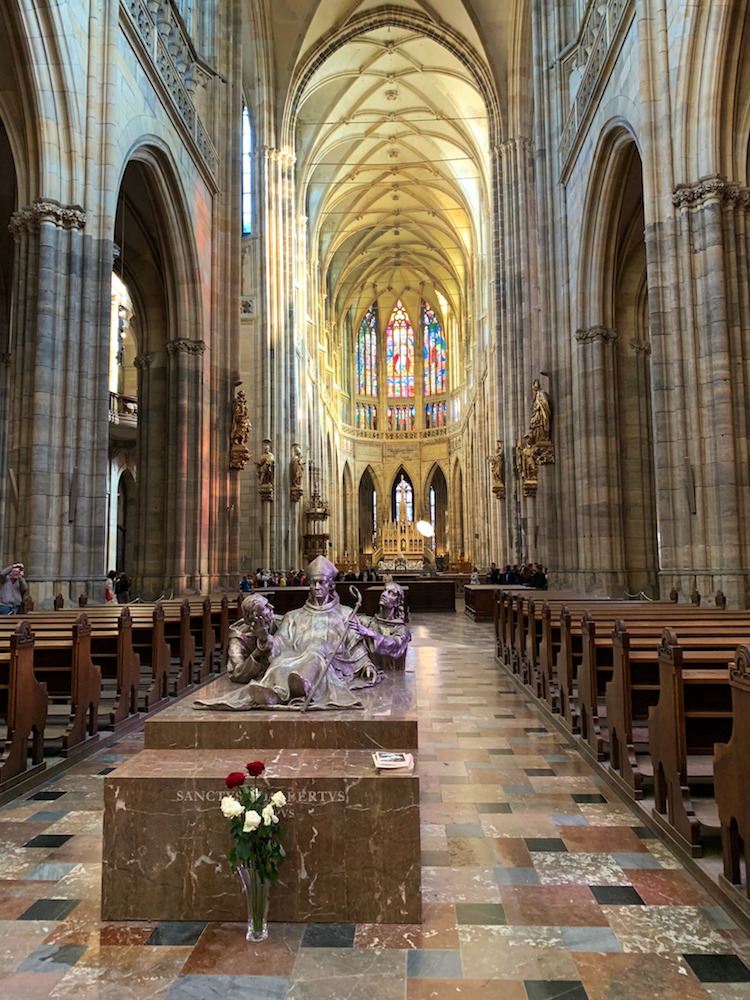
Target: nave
{"x": 538, "y": 882}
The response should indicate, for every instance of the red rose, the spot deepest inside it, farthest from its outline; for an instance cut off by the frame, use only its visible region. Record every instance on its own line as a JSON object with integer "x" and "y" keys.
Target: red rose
{"x": 256, "y": 768}
{"x": 235, "y": 779}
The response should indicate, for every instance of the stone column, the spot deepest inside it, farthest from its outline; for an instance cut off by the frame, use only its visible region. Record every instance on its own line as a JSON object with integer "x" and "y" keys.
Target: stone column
{"x": 597, "y": 499}
{"x": 57, "y": 425}
{"x": 186, "y": 558}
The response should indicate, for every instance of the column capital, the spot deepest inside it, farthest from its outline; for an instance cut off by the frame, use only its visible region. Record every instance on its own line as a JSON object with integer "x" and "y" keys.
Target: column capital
{"x": 183, "y": 345}
{"x": 606, "y": 334}
{"x": 710, "y": 189}
{"x": 29, "y": 218}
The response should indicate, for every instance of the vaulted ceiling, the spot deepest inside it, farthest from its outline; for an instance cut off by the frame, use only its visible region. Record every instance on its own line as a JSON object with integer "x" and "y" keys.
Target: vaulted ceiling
{"x": 393, "y": 110}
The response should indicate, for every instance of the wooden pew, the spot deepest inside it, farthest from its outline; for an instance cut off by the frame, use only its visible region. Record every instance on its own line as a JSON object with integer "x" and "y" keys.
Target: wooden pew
{"x": 694, "y": 711}
{"x": 24, "y": 705}
{"x": 699, "y": 629}
{"x": 732, "y": 775}
{"x": 634, "y": 690}
{"x": 63, "y": 663}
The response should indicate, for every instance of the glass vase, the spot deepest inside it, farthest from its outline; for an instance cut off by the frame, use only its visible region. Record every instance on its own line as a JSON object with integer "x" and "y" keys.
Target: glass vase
{"x": 256, "y": 896}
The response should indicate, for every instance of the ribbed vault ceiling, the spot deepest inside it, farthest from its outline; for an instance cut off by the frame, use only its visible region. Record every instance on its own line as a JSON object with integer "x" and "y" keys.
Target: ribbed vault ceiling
{"x": 392, "y": 156}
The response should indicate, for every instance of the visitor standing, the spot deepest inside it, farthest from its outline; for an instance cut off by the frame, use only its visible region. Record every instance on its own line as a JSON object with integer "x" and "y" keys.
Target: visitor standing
{"x": 13, "y": 587}
{"x": 122, "y": 588}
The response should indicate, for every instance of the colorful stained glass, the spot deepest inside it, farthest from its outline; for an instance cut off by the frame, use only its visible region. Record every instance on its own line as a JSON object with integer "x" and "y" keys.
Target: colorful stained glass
{"x": 367, "y": 353}
{"x": 433, "y": 352}
{"x": 404, "y": 493}
{"x": 399, "y": 353}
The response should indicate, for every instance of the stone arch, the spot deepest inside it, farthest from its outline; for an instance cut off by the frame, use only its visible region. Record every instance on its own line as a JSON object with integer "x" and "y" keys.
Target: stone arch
{"x": 369, "y": 485}
{"x": 395, "y": 480}
{"x": 391, "y": 15}
{"x": 436, "y": 480}
{"x": 158, "y": 264}
{"x": 348, "y": 543}
{"x": 456, "y": 532}
{"x": 615, "y": 437}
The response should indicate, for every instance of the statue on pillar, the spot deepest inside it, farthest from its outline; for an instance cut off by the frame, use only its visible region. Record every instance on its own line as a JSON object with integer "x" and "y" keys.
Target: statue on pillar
{"x": 497, "y": 462}
{"x": 540, "y": 426}
{"x": 527, "y": 465}
{"x": 239, "y": 454}
{"x": 296, "y": 467}
{"x": 266, "y": 472}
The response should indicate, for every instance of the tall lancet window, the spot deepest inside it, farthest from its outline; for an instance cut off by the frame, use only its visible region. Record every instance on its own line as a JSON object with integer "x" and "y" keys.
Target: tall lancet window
{"x": 367, "y": 353}
{"x": 403, "y": 498}
{"x": 247, "y": 173}
{"x": 399, "y": 353}
{"x": 434, "y": 352}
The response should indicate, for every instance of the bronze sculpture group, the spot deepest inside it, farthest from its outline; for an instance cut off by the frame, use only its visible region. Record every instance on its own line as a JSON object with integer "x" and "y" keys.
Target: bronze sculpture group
{"x": 316, "y": 656}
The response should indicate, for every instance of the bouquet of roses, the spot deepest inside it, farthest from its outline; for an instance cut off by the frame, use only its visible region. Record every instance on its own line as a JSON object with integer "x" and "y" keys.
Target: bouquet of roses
{"x": 255, "y": 825}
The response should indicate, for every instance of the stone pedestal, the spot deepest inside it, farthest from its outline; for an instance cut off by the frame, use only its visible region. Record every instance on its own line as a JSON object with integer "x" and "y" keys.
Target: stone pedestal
{"x": 388, "y": 721}
{"x": 351, "y": 838}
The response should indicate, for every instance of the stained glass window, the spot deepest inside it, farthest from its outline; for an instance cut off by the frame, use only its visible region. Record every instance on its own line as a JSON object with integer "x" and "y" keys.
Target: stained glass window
{"x": 399, "y": 353}
{"x": 405, "y": 494}
{"x": 367, "y": 353}
{"x": 433, "y": 514}
{"x": 434, "y": 352}
{"x": 247, "y": 173}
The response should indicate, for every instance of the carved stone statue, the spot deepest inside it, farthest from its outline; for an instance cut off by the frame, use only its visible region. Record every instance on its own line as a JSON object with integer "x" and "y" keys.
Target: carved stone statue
{"x": 266, "y": 471}
{"x": 497, "y": 461}
{"x": 540, "y": 426}
{"x": 527, "y": 465}
{"x": 296, "y": 467}
{"x": 316, "y": 656}
{"x": 541, "y": 414}
{"x": 239, "y": 455}
{"x": 386, "y": 633}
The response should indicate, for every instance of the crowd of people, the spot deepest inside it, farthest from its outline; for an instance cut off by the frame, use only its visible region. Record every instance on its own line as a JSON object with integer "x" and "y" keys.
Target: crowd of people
{"x": 294, "y": 578}
{"x": 527, "y": 575}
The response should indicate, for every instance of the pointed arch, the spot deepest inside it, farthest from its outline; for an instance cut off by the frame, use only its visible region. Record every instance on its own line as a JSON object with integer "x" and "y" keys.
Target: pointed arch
{"x": 370, "y": 502}
{"x": 402, "y": 492}
{"x": 437, "y": 505}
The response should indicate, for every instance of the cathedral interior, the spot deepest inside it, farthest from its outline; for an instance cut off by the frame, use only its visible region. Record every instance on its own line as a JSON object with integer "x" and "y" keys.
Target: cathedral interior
{"x": 281, "y": 278}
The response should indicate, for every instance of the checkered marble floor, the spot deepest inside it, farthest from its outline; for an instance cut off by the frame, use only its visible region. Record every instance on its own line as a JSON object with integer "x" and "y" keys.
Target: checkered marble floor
{"x": 538, "y": 882}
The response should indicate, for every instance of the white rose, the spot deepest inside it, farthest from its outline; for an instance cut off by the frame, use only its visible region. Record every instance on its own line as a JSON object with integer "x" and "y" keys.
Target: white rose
{"x": 230, "y": 807}
{"x": 269, "y": 816}
{"x": 252, "y": 821}
{"x": 278, "y": 799}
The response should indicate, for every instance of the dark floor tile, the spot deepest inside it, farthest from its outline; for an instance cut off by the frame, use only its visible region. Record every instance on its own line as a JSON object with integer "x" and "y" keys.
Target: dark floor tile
{"x": 504, "y": 752}
{"x": 580, "y": 798}
{"x": 644, "y": 833}
{"x": 46, "y": 796}
{"x": 329, "y": 936}
{"x": 435, "y": 859}
{"x": 176, "y": 932}
{"x": 47, "y": 816}
{"x": 545, "y": 844}
{"x": 51, "y": 958}
{"x": 616, "y": 895}
{"x": 540, "y": 989}
{"x": 472, "y": 735}
{"x": 50, "y": 909}
{"x": 506, "y": 715}
{"x": 539, "y": 772}
{"x": 535, "y": 729}
{"x": 48, "y": 840}
{"x": 494, "y": 807}
{"x": 486, "y": 914}
{"x": 106, "y": 770}
{"x": 718, "y": 968}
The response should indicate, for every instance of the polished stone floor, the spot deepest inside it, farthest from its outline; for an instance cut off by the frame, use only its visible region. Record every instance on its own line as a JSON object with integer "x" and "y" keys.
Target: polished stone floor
{"x": 538, "y": 882}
